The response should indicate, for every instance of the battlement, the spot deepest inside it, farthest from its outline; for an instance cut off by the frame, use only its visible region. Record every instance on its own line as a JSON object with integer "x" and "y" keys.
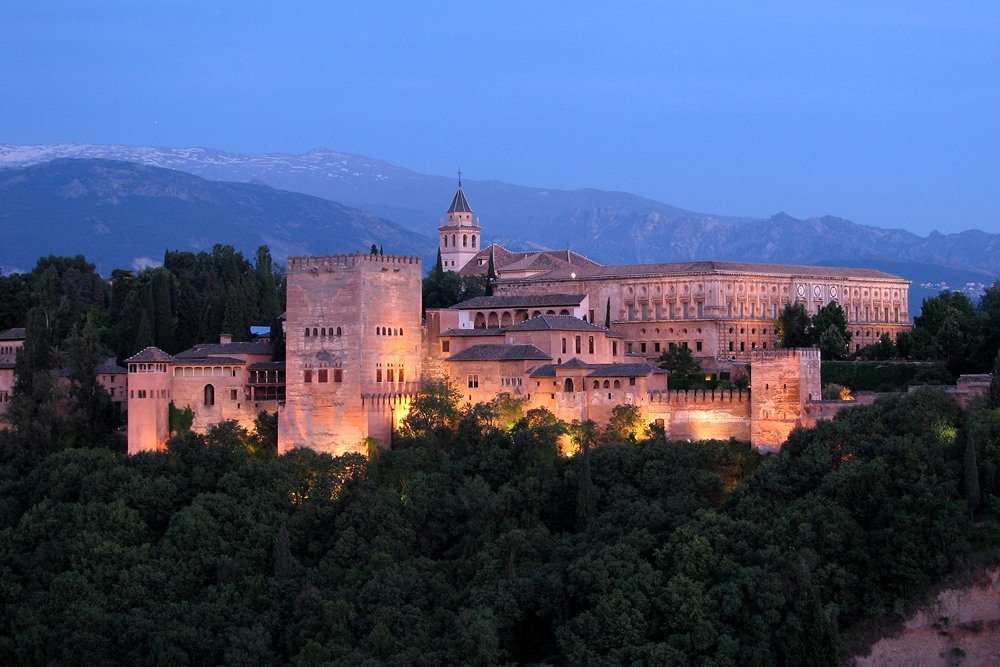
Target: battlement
{"x": 787, "y": 353}
{"x": 699, "y": 396}
{"x": 333, "y": 262}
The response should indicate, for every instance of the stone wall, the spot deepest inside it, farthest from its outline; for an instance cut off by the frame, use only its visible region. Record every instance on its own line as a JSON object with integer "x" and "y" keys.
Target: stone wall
{"x": 782, "y": 383}
{"x": 362, "y": 313}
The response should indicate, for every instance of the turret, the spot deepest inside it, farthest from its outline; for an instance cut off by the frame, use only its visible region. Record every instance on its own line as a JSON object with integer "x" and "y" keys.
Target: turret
{"x": 459, "y": 236}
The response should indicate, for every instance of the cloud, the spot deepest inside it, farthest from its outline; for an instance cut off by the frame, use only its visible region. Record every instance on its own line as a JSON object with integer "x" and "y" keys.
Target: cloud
{"x": 140, "y": 263}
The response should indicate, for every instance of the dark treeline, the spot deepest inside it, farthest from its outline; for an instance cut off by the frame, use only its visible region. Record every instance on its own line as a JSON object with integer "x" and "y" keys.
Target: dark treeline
{"x": 473, "y": 541}
{"x": 191, "y": 299}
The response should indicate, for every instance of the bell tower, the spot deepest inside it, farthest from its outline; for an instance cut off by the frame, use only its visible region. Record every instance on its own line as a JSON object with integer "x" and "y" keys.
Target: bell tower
{"x": 459, "y": 237}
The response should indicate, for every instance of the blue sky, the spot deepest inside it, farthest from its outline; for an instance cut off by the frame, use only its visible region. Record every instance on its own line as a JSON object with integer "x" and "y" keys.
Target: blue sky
{"x": 884, "y": 113}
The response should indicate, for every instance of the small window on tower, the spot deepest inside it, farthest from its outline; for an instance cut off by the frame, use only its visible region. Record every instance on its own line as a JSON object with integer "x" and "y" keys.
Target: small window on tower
{"x": 338, "y": 375}
{"x": 446, "y": 346}
{"x": 323, "y": 375}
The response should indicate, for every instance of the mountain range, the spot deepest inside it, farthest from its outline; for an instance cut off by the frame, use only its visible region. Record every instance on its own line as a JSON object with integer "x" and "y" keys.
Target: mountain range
{"x": 611, "y": 227}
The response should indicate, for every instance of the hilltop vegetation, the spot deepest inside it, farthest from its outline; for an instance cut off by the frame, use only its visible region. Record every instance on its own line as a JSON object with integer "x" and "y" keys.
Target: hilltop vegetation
{"x": 473, "y": 542}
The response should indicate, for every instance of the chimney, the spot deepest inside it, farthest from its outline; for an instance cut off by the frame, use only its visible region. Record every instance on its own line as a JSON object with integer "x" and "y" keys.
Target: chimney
{"x": 225, "y": 338}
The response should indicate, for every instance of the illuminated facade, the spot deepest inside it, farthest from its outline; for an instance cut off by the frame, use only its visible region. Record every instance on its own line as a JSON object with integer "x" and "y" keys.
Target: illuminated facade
{"x": 357, "y": 347}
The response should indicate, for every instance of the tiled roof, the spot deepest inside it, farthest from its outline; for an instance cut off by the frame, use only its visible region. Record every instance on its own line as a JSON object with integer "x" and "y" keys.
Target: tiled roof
{"x": 623, "y": 370}
{"x": 712, "y": 267}
{"x": 544, "y": 371}
{"x": 555, "y": 323}
{"x": 520, "y": 301}
{"x": 503, "y": 259}
{"x": 459, "y": 204}
{"x": 490, "y": 352}
{"x": 110, "y": 367}
{"x": 208, "y": 361}
{"x": 472, "y": 332}
{"x": 17, "y": 333}
{"x": 210, "y": 349}
{"x": 576, "y": 362}
{"x": 150, "y": 354}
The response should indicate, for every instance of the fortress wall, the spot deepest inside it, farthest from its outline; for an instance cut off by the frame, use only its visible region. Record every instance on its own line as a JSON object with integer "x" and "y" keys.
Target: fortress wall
{"x": 782, "y": 383}
{"x": 375, "y": 303}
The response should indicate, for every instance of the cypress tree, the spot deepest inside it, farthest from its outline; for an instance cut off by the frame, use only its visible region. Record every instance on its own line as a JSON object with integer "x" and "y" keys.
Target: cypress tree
{"x": 607, "y": 315}
{"x": 491, "y": 276}
{"x": 91, "y": 410}
{"x": 994, "y": 394}
{"x": 439, "y": 264}
{"x": 33, "y": 410}
{"x": 971, "y": 469}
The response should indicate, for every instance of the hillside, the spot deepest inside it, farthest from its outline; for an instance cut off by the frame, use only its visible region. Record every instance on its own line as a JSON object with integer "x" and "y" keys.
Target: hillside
{"x": 122, "y": 214}
{"x": 610, "y": 226}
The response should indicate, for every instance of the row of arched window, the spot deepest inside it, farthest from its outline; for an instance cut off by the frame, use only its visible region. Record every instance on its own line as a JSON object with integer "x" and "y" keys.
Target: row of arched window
{"x": 323, "y": 331}
{"x": 465, "y": 241}
{"x": 388, "y": 331}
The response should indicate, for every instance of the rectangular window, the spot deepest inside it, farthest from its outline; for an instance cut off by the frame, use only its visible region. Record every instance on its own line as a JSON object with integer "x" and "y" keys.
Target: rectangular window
{"x": 473, "y": 381}
{"x": 697, "y": 346}
{"x": 701, "y": 309}
{"x": 631, "y": 381}
{"x": 591, "y": 316}
{"x": 307, "y": 376}
{"x": 338, "y": 375}
{"x": 628, "y": 348}
{"x": 614, "y": 348}
{"x": 232, "y": 394}
{"x": 564, "y": 346}
{"x": 656, "y": 346}
{"x": 578, "y": 344}
{"x": 642, "y": 348}
{"x": 446, "y": 346}
{"x": 590, "y": 345}
{"x": 322, "y": 375}
{"x": 730, "y": 346}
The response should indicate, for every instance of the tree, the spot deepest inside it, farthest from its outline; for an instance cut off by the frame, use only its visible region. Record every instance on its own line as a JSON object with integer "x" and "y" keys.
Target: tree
{"x": 993, "y": 397}
{"x": 607, "y": 315}
{"x": 434, "y": 411}
{"x": 33, "y": 410}
{"x": 626, "y": 424}
{"x": 829, "y": 331}
{"x": 584, "y": 434}
{"x": 491, "y": 275}
{"x": 91, "y": 411}
{"x": 793, "y": 326}
{"x": 678, "y": 360}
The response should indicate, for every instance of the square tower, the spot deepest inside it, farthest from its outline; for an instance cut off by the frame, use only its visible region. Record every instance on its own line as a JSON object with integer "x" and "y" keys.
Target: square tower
{"x": 352, "y": 337}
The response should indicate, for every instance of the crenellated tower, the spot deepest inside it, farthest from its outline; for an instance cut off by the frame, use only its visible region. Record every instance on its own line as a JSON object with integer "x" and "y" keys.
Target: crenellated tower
{"x": 459, "y": 236}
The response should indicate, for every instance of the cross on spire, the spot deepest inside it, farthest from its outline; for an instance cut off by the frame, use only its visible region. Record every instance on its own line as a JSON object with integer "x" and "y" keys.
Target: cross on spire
{"x": 459, "y": 177}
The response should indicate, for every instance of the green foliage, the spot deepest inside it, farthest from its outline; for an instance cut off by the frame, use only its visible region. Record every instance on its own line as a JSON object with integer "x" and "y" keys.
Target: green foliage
{"x": 829, "y": 331}
{"x": 884, "y": 375}
{"x": 179, "y": 419}
{"x": 993, "y": 396}
{"x": 678, "y": 361}
{"x": 490, "y": 550}
{"x": 626, "y": 425}
{"x": 793, "y": 326}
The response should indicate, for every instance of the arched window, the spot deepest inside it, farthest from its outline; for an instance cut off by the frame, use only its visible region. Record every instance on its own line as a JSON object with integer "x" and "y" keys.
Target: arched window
{"x": 453, "y": 241}
{"x": 607, "y": 383}
{"x": 378, "y": 375}
{"x": 401, "y": 376}
{"x": 307, "y": 332}
{"x": 390, "y": 375}
{"x": 473, "y": 240}
{"x": 322, "y": 331}
{"x": 465, "y": 240}
{"x": 568, "y": 386}
{"x": 445, "y": 240}
{"x": 400, "y": 331}
{"x": 209, "y": 395}
{"x": 597, "y": 384}
{"x": 315, "y": 331}
{"x": 338, "y": 331}
{"x": 617, "y": 385}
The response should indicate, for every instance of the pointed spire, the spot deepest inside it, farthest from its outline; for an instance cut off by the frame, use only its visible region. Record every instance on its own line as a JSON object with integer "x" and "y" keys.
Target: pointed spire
{"x": 460, "y": 204}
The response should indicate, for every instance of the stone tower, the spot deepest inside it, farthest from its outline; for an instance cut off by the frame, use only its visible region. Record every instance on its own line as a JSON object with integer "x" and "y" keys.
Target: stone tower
{"x": 353, "y": 349}
{"x": 460, "y": 235}
{"x": 150, "y": 393}
{"x": 781, "y": 383}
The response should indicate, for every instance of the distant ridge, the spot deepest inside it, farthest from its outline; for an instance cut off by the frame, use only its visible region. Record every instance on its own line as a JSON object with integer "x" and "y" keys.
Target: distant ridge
{"x": 611, "y": 227}
{"x": 123, "y": 214}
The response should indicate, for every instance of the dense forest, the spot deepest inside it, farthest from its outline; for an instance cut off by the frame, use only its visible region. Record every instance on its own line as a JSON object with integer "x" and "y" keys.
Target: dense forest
{"x": 473, "y": 541}
{"x": 191, "y": 299}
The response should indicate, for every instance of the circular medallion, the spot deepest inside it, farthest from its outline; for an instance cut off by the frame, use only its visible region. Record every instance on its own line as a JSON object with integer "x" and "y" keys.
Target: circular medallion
{"x": 833, "y": 291}
{"x": 817, "y": 290}
{"x": 802, "y": 290}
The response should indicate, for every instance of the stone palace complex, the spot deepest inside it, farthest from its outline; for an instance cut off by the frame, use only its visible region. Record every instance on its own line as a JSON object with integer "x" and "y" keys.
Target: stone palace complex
{"x": 357, "y": 345}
